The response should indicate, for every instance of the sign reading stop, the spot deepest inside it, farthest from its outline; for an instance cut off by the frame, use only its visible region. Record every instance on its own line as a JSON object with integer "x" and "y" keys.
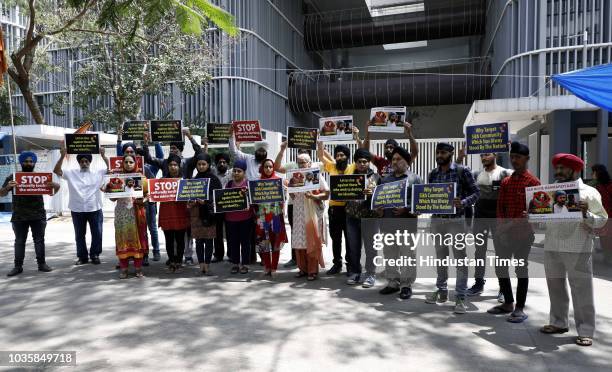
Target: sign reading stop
{"x": 31, "y": 183}
{"x": 247, "y": 130}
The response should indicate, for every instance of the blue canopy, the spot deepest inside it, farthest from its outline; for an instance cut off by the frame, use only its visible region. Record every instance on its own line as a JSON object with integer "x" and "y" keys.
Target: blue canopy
{"x": 593, "y": 84}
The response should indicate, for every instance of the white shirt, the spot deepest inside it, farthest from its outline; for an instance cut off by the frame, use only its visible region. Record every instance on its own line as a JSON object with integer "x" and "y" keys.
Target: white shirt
{"x": 252, "y": 172}
{"x": 84, "y": 189}
{"x": 560, "y": 209}
{"x": 576, "y": 235}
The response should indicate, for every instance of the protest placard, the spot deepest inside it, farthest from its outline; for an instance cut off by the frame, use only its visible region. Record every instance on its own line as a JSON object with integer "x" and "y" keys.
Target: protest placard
{"x": 390, "y": 195}
{"x": 166, "y": 131}
{"x": 163, "y": 189}
{"x": 387, "y": 119}
{"x": 124, "y": 185}
{"x": 556, "y": 200}
{"x": 247, "y": 130}
{"x": 336, "y": 128}
{"x": 486, "y": 138}
{"x": 33, "y": 183}
{"x": 193, "y": 189}
{"x": 116, "y": 164}
{"x": 82, "y": 143}
{"x": 229, "y": 200}
{"x": 266, "y": 191}
{"x": 302, "y": 138}
{"x": 218, "y": 133}
{"x": 434, "y": 198}
{"x": 134, "y": 130}
{"x": 303, "y": 179}
{"x": 347, "y": 187}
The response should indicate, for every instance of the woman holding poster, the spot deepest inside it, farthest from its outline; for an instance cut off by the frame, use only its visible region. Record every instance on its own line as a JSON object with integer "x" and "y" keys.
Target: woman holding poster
{"x": 203, "y": 218}
{"x": 130, "y": 226}
{"x": 173, "y": 220}
{"x": 239, "y": 224}
{"x": 270, "y": 234}
{"x": 309, "y": 225}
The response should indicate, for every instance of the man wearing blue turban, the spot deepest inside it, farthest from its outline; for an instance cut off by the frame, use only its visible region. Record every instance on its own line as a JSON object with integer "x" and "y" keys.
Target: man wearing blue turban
{"x": 28, "y": 213}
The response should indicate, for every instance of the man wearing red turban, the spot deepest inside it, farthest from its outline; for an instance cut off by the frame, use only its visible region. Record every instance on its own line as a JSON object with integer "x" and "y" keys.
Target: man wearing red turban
{"x": 568, "y": 254}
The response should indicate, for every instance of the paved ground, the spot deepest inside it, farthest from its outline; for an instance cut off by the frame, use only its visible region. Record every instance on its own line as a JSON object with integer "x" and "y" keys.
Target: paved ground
{"x": 225, "y": 323}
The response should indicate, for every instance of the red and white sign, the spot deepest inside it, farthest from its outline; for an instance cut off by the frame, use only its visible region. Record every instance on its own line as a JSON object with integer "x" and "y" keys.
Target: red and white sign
{"x": 116, "y": 164}
{"x": 247, "y": 131}
{"x": 30, "y": 183}
{"x": 163, "y": 189}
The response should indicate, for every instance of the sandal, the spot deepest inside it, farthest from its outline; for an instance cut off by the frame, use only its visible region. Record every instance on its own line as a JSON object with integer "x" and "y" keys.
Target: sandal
{"x": 300, "y": 274}
{"x": 244, "y": 270}
{"x": 551, "y": 329}
{"x": 312, "y": 277}
{"x": 584, "y": 341}
{"x": 499, "y": 309}
{"x": 139, "y": 274}
{"x": 235, "y": 270}
{"x": 123, "y": 274}
{"x": 514, "y": 318}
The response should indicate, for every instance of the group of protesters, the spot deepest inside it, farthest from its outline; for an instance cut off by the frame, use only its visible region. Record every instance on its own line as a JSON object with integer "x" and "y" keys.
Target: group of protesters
{"x": 494, "y": 196}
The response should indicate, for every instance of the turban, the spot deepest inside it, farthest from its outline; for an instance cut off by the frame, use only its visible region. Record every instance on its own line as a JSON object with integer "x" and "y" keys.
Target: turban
{"x": 403, "y": 153}
{"x": 240, "y": 164}
{"x": 179, "y": 145}
{"x": 174, "y": 158}
{"x": 392, "y": 142}
{"x": 519, "y": 148}
{"x": 84, "y": 156}
{"x": 445, "y": 146}
{"x": 27, "y": 154}
{"x": 568, "y": 160}
{"x": 223, "y": 156}
{"x": 362, "y": 154}
{"x": 560, "y": 193}
{"x": 261, "y": 145}
{"x": 126, "y": 145}
{"x": 343, "y": 149}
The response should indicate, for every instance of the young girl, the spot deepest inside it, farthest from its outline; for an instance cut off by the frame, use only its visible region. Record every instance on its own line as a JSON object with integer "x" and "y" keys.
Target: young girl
{"x": 270, "y": 225}
{"x": 131, "y": 226}
{"x": 173, "y": 220}
{"x": 203, "y": 218}
{"x": 238, "y": 225}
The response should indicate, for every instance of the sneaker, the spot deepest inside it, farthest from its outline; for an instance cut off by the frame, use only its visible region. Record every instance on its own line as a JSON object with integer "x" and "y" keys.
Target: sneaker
{"x": 188, "y": 261}
{"x": 353, "y": 279}
{"x": 460, "y": 306}
{"x": 335, "y": 269}
{"x": 388, "y": 290}
{"x": 44, "y": 268}
{"x": 15, "y": 271}
{"x": 438, "y": 296}
{"x": 475, "y": 290}
{"x": 369, "y": 281}
{"x": 500, "y": 298}
{"x": 156, "y": 256}
{"x": 290, "y": 263}
{"x": 405, "y": 293}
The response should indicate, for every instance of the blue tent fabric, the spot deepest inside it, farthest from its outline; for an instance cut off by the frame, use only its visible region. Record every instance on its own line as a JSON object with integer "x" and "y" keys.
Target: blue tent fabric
{"x": 593, "y": 84}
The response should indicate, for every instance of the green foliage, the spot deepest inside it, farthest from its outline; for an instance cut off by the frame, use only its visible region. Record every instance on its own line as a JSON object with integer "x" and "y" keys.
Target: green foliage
{"x": 5, "y": 111}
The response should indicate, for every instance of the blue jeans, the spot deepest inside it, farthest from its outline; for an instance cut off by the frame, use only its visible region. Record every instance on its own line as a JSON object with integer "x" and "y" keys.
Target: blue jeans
{"x": 21, "y": 235}
{"x": 80, "y": 221}
{"x": 450, "y": 226}
{"x": 151, "y": 210}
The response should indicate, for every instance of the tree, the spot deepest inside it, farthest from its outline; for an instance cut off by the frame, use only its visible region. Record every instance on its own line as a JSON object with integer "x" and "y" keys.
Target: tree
{"x": 125, "y": 69}
{"x": 48, "y": 19}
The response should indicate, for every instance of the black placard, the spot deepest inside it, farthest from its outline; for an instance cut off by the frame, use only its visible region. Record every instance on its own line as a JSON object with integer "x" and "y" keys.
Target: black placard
{"x": 134, "y": 130}
{"x": 218, "y": 133}
{"x": 347, "y": 187}
{"x": 82, "y": 143}
{"x": 302, "y": 138}
{"x": 230, "y": 200}
{"x": 166, "y": 131}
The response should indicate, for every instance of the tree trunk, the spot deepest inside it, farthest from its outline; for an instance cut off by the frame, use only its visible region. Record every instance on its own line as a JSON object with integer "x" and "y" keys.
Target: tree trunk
{"x": 31, "y": 101}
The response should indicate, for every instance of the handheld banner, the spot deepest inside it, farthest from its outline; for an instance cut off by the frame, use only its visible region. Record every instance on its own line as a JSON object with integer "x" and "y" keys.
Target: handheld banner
{"x": 134, "y": 130}
{"x": 347, "y": 187}
{"x": 82, "y": 143}
{"x": 266, "y": 191}
{"x": 387, "y": 119}
{"x": 302, "y": 138}
{"x": 163, "y": 189}
{"x": 486, "y": 138}
{"x": 33, "y": 183}
{"x": 390, "y": 195}
{"x": 557, "y": 200}
{"x": 230, "y": 200}
{"x": 303, "y": 179}
{"x": 218, "y": 133}
{"x": 123, "y": 185}
{"x": 434, "y": 198}
{"x": 247, "y": 130}
{"x": 167, "y": 131}
{"x": 193, "y": 189}
{"x": 336, "y": 128}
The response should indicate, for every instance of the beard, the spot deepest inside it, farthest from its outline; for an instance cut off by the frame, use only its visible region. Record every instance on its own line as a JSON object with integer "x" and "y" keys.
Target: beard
{"x": 389, "y": 155}
{"x": 222, "y": 169}
{"x": 259, "y": 157}
{"x": 27, "y": 168}
{"x": 341, "y": 165}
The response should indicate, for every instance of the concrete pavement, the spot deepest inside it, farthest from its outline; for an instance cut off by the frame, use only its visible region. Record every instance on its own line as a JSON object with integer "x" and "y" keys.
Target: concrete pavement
{"x": 240, "y": 322}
